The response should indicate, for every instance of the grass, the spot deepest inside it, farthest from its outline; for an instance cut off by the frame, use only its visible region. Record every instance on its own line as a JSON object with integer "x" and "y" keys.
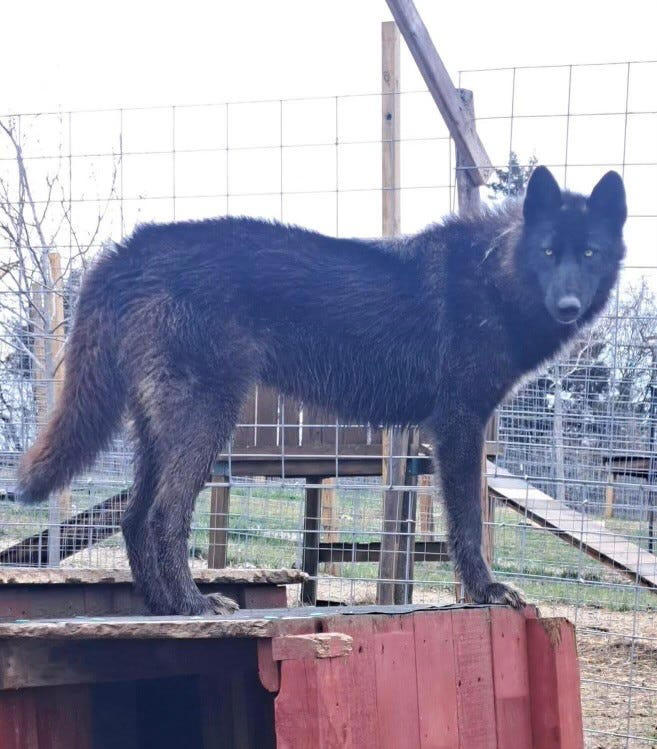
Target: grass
{"x": 266, "y": 525}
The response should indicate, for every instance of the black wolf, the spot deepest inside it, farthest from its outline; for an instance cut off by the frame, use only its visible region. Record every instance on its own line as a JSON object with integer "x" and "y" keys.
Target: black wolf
{"x": 176, "y": 323}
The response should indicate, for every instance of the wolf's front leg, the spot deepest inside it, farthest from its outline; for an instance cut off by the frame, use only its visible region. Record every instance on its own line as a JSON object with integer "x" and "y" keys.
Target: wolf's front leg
{"x": 459, "y": 438}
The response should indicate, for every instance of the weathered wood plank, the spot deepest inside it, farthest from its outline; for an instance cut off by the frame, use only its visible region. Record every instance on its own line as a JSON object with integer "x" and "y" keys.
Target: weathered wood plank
{"x": 392, "y": 470}
{"x": 579, "y": 530}
{"x": 40, "y": 663}
{"x": 436, "y": 680}
{"x": 442, "y": 89}
{"x": 219, "y": 519}
{"x": 334, "y": 693}
{"x": 361, "y": 684}
{"x": 318, "y": 645}
{"x": 53, "y": 718}
{"x": 474, "y": 674}
{"x": 396, "y": 683}
{"x": 554, "y": 684}
{"x": 370, "y": 551}
{"x": 295, "y": 707}
{"x": 510, "y": 679}
{"x": 73, "y": 576}
{"x": 144, "y": 628}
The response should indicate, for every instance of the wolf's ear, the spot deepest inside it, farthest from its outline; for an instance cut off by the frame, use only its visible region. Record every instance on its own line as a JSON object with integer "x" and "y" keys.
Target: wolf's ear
{"x": 607, "y": 201}
{"x": 543, "y": 196}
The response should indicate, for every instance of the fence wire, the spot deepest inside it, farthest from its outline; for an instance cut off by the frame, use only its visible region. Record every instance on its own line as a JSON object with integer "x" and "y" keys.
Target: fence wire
{"x": 571, "y": 471}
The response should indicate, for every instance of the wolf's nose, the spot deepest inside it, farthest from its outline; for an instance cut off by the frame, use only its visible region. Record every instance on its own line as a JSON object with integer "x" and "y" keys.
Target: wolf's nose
{"x": 569, "y": 307}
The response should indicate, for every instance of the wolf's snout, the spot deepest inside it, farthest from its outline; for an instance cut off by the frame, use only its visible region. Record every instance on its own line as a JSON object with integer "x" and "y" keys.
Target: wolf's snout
{"x": 568, "y": 308}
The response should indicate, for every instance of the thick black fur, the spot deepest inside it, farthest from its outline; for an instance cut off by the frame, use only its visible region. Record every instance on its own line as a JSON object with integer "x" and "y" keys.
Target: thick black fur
{"x": 179, "y": 321}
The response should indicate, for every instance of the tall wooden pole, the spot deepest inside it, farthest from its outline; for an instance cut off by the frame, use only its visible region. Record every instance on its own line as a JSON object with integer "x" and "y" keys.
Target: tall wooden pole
{"x": 394, "y": 440}
{"x": 441, "y": 88}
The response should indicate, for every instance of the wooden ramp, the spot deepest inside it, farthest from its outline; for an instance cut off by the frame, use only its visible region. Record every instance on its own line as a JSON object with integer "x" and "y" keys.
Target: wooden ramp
{"x": 575, "y": 527}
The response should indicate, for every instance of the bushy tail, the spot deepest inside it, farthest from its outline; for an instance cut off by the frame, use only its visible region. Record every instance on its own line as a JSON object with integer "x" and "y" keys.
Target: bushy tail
{"x": 91, "y": 403}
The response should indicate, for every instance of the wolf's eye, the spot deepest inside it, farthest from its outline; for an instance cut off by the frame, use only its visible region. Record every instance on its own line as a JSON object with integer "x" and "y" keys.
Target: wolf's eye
{"x": 589, "y": 253}
{"x": 548, "y": 251}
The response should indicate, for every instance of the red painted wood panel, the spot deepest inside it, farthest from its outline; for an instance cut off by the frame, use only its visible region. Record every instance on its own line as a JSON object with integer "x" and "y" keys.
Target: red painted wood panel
{"x": 510, "y": 679}
{"x": 436, "y": 680}
{"x": 471, "y": 678}
{"x": 361, "y": 684}
{"x": 18, "y": 725}
{"x": 554, "y": 684}
{"x": 295, "y": 707}
{"x": 474, "y": 679}
{"x": 334, "y": 692}
{"x": 46, "y": 718}
{"x": 396, "y": 682}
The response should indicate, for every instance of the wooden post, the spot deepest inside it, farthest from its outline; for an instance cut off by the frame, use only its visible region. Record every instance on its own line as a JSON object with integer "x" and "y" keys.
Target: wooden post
{"x": 311, "y": 543}
{"x": 219, "y": 516}
{"x": 58, "y": 366}
{"x": 425, "y": 507}
{"x": 450, "y": 105}
{"x": 469, "y": 199}
{"x": 330, "y": 521}
{"x": 405, "y": 558}
{"x": 609, "y": 496}
{"x": 390, "y": 128}
{"x": 47, "y": 316}
{"x": 393, "y": 471}
{"x": 40, "y": 397}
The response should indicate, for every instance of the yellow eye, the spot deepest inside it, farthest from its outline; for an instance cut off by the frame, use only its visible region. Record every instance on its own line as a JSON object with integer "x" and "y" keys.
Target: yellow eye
{"x": 548, "y": 251}
{"x": 589, "y": 253}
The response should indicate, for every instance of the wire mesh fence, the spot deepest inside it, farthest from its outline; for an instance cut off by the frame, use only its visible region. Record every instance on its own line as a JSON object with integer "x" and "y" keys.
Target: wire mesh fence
{"x": 571, "y": 459}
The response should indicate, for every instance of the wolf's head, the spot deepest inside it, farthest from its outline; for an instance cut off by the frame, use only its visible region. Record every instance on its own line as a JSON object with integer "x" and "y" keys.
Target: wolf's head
{"x": 571, "y": 246}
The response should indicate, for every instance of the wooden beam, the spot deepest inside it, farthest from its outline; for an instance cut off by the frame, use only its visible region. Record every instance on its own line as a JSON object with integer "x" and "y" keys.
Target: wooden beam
{"x": 469, "y": 200}
{"x": 425, "y": 507}
{"x": 394, "y": 441}
{"x": 311, "y": 543}
{"x": 345, "y": 551}
{"x": 330, "y": 521}
{"x": 609, "y": 497}
{"x": 62, "y": 497}
{"x": 219, "y": 518}
{"x": 390, "y": 129}
{"x": 461, "y": 127}
{"x": 316, "y": 645}
{"x": 554, "y": 684}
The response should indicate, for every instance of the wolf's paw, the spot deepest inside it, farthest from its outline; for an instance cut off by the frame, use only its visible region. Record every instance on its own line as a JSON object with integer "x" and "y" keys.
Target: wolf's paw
{"x": 500, "y": 593}
{"x": 221, "y": 605}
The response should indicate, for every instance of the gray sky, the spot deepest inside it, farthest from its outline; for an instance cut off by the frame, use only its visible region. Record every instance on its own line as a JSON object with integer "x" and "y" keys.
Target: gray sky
{"x": 125, "y": 53}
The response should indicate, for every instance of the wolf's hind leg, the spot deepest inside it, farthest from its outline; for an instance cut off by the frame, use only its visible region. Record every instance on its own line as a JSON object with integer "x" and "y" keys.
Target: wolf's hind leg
{"x": 460, "y": 446}
{"x": 140, "y": 545}
{"x": 198, "y": 423}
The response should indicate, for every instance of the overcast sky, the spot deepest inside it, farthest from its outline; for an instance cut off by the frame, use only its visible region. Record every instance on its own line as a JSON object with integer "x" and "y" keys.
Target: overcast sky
{"x": 130, "y": 52}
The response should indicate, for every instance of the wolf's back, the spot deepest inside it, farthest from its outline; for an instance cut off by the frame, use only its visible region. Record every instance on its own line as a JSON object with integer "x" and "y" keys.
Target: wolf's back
{"x": 91, "y": 403}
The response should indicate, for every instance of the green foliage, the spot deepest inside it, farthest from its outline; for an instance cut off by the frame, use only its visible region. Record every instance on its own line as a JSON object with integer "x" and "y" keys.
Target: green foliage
{"x": 511, "y": 180}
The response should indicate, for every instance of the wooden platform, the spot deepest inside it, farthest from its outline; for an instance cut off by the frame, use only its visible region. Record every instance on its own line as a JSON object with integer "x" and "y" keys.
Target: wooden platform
{"x": 28, "y": 592}
{"x": 393, "y": 677}
{"x": 575, "y": 527}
